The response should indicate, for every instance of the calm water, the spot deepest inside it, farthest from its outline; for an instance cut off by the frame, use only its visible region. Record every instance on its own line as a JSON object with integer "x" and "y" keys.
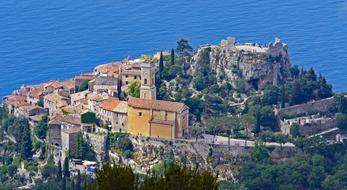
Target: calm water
{"x": 42, "y": 40}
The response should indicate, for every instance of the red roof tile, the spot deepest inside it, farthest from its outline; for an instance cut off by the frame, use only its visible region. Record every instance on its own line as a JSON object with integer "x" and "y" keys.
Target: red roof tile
{"x": 156, "y": 104}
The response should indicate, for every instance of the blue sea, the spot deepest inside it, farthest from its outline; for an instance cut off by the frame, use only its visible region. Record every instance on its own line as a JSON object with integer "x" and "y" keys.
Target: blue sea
{"x": 42, "y": 40}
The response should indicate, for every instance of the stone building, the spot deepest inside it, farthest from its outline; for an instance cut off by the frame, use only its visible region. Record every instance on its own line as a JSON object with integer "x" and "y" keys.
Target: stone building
{"x": 54, "y": 102}
{"x": 106, "y": 84}
{"x": 114, "y": 113}
{"x": 157, "y": 118}
{"x": 111, "y": 69}
{"x": 69, "y": 86}
{"x": 13, "y": 102}
{"x": 51, "y": 86}
{"x": 36, "y": 95}
{"x": 69, "y": 134}
{"x": 83, "y": 77}
{"x": 55, "y": 127}
{"x": 148, "y": 89}
{"x": 29, "y": 110}
{"x": 131, "y": 72}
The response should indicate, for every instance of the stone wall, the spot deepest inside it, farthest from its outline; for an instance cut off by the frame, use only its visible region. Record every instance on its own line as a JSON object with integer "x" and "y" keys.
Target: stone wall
{"x": 319, "y": 106}
{"x": 98, "y": 141}
{"x": 308, "y": 130}
{"x": 222, "y": 159}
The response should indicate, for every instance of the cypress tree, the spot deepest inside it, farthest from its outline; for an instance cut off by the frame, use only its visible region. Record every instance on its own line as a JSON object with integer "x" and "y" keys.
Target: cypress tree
{"x": 26, "y": 144}
{"x": 283, "y": 98}
{"x": 78, "y": 181}
{"x": 59, "y": 172}
{"x": 161, "y": 63}
{"x": 66, "y": 171}
{"x": 64, "y": 183}
{"x": 172, "y": 57}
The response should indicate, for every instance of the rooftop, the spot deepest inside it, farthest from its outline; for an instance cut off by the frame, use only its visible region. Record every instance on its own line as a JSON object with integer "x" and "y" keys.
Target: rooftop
{"x": 36, "y": 92}
{"x": 55, "y": 97}
{"x": 157, "y": 104}
{"x": 54, "y": 84}
{"x": 86, "y": 76}
{"x": 110, "y": 104}
{"x": 16, "y": 100}
{"x": 110, "y": 68}
{"x": 58, "y": 119}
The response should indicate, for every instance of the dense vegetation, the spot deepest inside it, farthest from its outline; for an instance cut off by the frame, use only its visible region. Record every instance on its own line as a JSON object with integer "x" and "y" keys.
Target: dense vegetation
{"x": 315, "y": 166}
{"x": 173, "y": 178}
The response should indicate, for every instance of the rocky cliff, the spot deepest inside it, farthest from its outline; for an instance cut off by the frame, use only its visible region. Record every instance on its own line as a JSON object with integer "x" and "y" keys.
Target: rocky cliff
{"x": 257, "y": 64}
{"x": 220, "y": 159}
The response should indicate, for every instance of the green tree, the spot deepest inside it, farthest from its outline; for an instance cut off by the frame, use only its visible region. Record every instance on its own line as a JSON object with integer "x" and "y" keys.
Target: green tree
{"x": 172, "y": 57}
{"x": 341, "y": 121}
{"x": 178, "y": 177}
{"x": 11, "y": 169}
{"x": 134, "y": 89}
{"x": 64, "y": 183}
{"x": 114, "y": 177}
{"x": 341, "y": 103}
{"x": 271, "y": 95}
{"x": 260, "y": 153}
{"x": 42, "y": 127}
{"x": 183, "y": 48}
{"x": 59, "y": 172}
{"x": 66, "y": 170}
{"x": 84, "y": 86}
{"x": 196, "y": 132}
{"x": 78, "y": 181}
{"x": 161, "y": 63}
{"x": 81, "y": 149}
{"x": 26, "y": 144}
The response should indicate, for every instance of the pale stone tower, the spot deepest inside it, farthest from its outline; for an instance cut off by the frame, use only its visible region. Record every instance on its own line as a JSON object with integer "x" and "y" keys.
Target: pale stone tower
{"x": 148, "y": 90}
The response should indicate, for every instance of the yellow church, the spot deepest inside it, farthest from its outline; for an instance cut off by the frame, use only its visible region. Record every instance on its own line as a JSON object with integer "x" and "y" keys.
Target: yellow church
{"x": 155, "y": 118}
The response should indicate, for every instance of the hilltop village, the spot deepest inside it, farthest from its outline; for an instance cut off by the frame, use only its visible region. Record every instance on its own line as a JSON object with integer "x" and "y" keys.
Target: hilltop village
{"x": 211, "y": 108}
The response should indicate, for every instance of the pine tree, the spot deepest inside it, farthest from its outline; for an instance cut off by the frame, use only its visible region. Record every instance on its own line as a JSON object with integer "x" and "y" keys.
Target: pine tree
{"x": 78, "y": 181}
{"x": 26, "y": 144}
{"x": 283, "y": 97}
{"x": 172, "y": 62}
{"x": 64, "y": 183}
{"x": 161, "y": 63}
{"x": 59, "y": 172}
{"x": 66, "y": 171}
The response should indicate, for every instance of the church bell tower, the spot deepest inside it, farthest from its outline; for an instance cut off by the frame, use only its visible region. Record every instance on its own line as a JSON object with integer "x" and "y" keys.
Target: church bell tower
{"x": 148, "y": 90}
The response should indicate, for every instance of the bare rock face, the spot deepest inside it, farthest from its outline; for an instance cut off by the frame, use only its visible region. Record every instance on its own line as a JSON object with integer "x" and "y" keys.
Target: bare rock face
{"x": 255, "y": 63}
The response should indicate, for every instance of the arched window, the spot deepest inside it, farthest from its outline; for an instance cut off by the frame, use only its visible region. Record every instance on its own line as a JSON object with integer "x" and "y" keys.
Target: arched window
{"x": 145, "y": 81}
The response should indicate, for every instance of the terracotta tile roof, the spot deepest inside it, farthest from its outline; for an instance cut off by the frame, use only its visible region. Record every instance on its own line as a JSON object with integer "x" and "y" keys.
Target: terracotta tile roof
{"x": 156, "y": 104}
{"x": 122, "y": 107}
{"x": 110, "y": 68}
{"x": 79, "y": 95}
{"x": 56, "y": 98}
{"x": 54, "y": 84}
{"x": 69, "y": 83}
{"x": 36, "y": 92}
{"x": 16, "y": 100}
{"x": 28, "y": 107}
{"x": 132, "y": 72}
{"x": 58, "y": 119}
{"x": 86, "y": 76}
{"x": 110, "y": 104}
{"x": 97, "y": 97}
